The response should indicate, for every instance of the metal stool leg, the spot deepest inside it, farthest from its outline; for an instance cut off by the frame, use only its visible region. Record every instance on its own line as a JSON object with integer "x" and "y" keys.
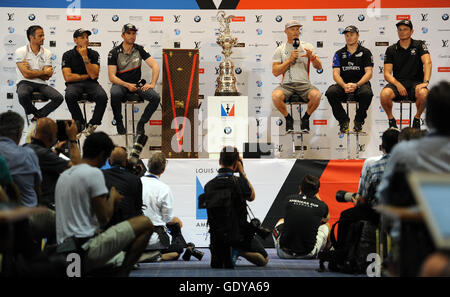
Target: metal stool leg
{"x": 401, "y": 114}
{"x": 357, "y": 137}
{"x": 292, "y": 135}
{"x": 126, "y": 126}
{"x": 348, "y": 135}
{"x": 132, "y": 120}
{"x": 410, "y": 114}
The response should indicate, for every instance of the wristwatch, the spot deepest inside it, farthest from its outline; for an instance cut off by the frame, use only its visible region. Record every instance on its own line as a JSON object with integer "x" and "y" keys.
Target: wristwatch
{"x": 87, "y": 61}
{"x": 426, "y": 81}
{"x": 357, "y": 85}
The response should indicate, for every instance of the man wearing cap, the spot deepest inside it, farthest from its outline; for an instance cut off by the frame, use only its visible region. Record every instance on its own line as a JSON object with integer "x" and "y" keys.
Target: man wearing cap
{"x": 407, "y": 69}
{"x": 352, "y": 70}
{"x": 124, "y": 71}
{"x": 292, "y": 61}
{"x": 81, "y": 67}
{"x": 34, "y": 68}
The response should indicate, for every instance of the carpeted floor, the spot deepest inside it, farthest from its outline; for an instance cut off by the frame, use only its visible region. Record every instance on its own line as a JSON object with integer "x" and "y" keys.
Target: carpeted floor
{"x": 194, "y": 268}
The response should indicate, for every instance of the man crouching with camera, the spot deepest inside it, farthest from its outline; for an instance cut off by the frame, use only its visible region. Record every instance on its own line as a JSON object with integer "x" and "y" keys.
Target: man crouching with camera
{"x": 225, "y": 199}
{"x": 303, "y": 232}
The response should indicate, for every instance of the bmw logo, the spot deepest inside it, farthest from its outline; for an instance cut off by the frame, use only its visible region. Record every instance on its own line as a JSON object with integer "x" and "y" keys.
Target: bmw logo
{"x": 361, "y": 17}
{"x": 115, "y": 18}
{"x": 53, "y": 57}
{"x": 11, "y": 30}
{"x": 218, "y": 58}
{"x": 238, "y": 70}
{"x": 10, "y": 82}
{"x": 279, "y": 18}
{"x": 94, "y": 31}
{"x": 445, "y": 17}
{"x": 320, "y": 71}
{"x": 197, "y": 19}
{"x": 32, "y": 17}
{"x": 259, "y": 31}
{"x": 424, "y": 30}
{"x": 177, "y": 32}
{"x": 136, "y": 110}
{"x": 279, "y": 122}
{"x": 113, "y": 122}
{"x": 259, "y": 83}
{"x": 341, "y": 30}
{"x": 227, "y": 130}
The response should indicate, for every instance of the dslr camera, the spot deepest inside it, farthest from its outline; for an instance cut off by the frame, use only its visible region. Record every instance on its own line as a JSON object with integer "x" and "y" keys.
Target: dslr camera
{"x": 62, "y": 135}
{"x": 133, "y": 161}
{"x": 192, "y": 251}
{"x": 255, "y": 227}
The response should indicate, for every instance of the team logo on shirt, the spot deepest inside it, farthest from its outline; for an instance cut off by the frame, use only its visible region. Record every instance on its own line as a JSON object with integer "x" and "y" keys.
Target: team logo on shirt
{"x": 359, "y": 55}
{"x": 413, "y": 52}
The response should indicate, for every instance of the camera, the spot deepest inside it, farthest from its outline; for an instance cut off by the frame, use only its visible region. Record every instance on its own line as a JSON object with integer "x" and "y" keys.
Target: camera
{"x": 62, "y": 135}
{"x": 141, "y": 83}
{"x": 133, "y": 161}
{"x": 344, "y": 196}
{"x": 255, "y": 227}
{"x": 192, "y": 251}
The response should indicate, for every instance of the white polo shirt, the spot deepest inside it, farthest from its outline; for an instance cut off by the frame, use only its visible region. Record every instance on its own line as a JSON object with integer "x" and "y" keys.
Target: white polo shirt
{"x": 37, "y": 62}
{"x": 157, "y": 199}
{"x": 298, "y": 71}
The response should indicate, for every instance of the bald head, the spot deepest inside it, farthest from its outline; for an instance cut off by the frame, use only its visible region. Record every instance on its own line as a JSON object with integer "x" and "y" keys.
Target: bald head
{"x": 46, "y": 131}
{"x": 118, "y": 156}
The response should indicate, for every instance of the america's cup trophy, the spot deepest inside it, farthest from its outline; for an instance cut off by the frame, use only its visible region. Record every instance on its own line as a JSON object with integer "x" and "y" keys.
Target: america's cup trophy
{"x": 226, "y": 81}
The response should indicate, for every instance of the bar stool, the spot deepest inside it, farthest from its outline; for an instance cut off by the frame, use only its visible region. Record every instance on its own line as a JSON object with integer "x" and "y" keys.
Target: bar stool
{"x": 36, "y": 97}
{"x": 85, "y": 99}
{"x": 295, "y": 99}
{"x": 133, "y": 99}
{"x": 406, "y": 101}
{"x": 350, "y": 99}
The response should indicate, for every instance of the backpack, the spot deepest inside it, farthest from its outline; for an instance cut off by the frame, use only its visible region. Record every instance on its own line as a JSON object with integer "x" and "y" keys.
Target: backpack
{"x": 349, "y": 254}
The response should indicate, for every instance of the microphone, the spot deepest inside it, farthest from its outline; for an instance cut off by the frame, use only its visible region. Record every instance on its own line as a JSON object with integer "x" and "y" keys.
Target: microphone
{"x": 296, "y": 43}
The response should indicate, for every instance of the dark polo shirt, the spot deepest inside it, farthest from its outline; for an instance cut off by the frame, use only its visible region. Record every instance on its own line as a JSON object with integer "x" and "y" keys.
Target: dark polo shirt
{"x": 407, "y": 63}
{"x": 128, "y": 65}
{"x": 352, "y": 65}
{"x": 73, "y": 60}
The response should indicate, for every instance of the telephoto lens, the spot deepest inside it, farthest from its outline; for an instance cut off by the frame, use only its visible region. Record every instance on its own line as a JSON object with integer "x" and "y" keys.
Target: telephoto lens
{"x": 344, "y": 196}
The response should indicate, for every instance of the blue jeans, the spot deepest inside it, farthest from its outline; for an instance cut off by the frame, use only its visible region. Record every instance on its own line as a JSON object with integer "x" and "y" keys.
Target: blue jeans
{"x": 118, "y": 95}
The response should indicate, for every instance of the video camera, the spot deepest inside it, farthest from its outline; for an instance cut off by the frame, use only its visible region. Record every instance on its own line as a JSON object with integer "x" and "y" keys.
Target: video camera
{"x": 133, "y": 161}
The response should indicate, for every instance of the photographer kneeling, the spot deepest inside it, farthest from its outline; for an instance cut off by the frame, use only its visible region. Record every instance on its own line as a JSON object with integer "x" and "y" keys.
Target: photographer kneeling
{"x": 303, "y": 232}
{"x": 225, "y": 199}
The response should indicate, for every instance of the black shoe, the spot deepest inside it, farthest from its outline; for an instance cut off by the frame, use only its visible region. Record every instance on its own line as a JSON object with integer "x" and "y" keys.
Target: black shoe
{"x": 416, "y": 124}
{"x": 344, "y": 126}
{"x": 393, "y": 123}
{"x": 289, "y": 123}
{"x": 305, "y": 125}
{"x": 120, "y": 128}
{"x": 140, "y": 129}
{"x": 357, "y": 126}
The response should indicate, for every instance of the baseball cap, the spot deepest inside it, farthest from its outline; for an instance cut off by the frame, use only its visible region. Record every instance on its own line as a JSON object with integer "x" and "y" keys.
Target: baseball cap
{"x": 407, "y": 23}
{"x": 350, "y": 29}
{"x": 80, "y": 32}
{"x": 128, "y": 27}
{"x": 292, "y": 23}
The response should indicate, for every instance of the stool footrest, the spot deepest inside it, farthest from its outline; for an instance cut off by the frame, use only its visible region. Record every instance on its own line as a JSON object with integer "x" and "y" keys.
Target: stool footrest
{"x": 296, "y": 132}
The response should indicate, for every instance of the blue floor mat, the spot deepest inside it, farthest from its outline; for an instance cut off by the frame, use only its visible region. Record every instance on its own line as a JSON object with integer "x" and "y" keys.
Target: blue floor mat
{"x": 275, "y": 268}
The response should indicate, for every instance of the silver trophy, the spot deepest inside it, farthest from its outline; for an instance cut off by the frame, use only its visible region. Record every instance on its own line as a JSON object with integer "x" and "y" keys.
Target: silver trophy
{"x": 226, "y": 81}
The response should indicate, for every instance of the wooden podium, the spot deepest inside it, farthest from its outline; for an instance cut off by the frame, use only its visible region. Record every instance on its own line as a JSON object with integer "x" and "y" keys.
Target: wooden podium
{"x": 179, "y": 101}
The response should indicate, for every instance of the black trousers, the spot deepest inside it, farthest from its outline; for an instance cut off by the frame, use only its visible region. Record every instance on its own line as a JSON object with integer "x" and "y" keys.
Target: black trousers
{"x": 336, "y": 95}
{"x": 26, "y": 88}
{"x": 96, "y": 94}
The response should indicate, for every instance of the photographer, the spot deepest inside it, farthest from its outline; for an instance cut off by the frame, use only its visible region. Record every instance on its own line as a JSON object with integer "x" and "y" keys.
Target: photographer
{"x": 303, "y": 232}
{"x": 50, "y": 163}
{"x": 225, "y": 199}
{"x": 158, "y": 207}
{"x": 127, "y": 184}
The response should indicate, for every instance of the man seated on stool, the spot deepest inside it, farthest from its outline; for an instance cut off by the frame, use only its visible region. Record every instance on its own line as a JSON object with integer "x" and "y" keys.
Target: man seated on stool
{"x": 407, "y": 69}
{"x": 304, "y": 230}
{"x": 81, "y": 67}
{"x": 124, "y": 71}
{"x": 292, "y": 63}
{"x": 34, "y": 68}
{"x": 158, "y": 207}
{"x": 352, "y": 70}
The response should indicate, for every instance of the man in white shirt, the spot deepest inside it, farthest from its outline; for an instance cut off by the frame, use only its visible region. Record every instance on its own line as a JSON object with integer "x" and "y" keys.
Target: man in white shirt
{"x": 34, "y": 68}
{"x": 83, "y": 209}
{"x": 157, "y": 199}
{"x": 291, "y": 59}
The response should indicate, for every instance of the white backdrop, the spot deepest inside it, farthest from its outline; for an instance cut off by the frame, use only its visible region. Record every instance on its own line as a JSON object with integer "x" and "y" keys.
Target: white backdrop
{"x": 259, "y": 31}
